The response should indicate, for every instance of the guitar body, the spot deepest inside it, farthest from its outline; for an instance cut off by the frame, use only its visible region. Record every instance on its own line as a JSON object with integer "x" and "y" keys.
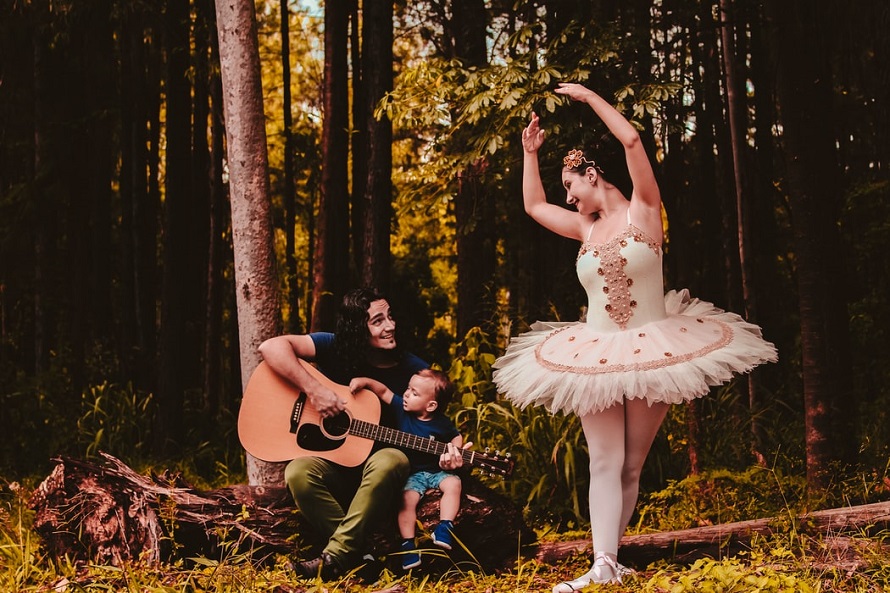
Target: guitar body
{"x": 277, "y": 423}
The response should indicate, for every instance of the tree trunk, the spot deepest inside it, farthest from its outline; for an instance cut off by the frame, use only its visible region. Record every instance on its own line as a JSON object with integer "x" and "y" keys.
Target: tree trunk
{"x": 132, "y": 180}
{"x": 473, "y": 211}
{"x": 804, "y": 93}
{"x": 737, "y": 110}
{"x": 175, "y": 352}
{"x": 255, "y": 274}
{"x": 290, "y": 193}
{"x": 376, "y": 199}
{"x": 713, "y": 541}
{"x": 216, "y": 246}
{"x": 205, "y": 27}
{"x": 42, "y": 158}
{"x": 331, "y": 265}
{"x": 147, "y": 219}
{"x": 359, "y": 142}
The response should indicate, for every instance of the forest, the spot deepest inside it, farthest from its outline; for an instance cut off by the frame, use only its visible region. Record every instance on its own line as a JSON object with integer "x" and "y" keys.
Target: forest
{"x": 182, "y": 179}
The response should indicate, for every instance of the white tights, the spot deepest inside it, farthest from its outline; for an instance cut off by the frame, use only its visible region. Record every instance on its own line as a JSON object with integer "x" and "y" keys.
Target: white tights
{"x": 618, "y": 438}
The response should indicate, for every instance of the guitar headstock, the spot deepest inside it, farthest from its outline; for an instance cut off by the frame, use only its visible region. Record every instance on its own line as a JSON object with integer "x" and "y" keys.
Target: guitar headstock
{"x": 495, "y": 464}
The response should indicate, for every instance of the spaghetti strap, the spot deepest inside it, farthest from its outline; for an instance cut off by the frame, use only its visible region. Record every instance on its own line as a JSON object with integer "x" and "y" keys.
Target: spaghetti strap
{"x": 628, "y": 215}
{"x": 590, "y": 232}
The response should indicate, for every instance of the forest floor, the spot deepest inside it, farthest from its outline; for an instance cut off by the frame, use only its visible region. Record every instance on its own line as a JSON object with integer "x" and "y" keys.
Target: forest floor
{"x": 776, "y": 564}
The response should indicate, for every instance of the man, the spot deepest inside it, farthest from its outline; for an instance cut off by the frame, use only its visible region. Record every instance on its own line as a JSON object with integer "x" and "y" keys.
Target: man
{"x": 342, "y": 503}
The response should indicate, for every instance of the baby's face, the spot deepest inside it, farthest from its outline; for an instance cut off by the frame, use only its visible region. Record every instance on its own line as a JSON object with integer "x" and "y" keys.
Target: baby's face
{"x": 420, "y": 397}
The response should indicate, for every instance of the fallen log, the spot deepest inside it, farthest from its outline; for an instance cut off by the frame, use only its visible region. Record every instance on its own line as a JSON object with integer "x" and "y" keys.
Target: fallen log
{"x": 110, "y": 514}
{"x": 711, "y": 540}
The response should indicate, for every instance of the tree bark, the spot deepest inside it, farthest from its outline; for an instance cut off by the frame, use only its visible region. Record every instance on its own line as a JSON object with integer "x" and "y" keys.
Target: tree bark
{"x": 473, "y": 208}
{"x": 814, "y": 188}
{"x": 376, "y": 198}
{"x": 716, "y": 540}
{"x": 109, "y": 514}
{"x": 331, "y": 264}
{"x": 176, "y": 343}
{"x": 255, "y": 274}
{"x": 290, "y": 193}
{"x": 737, "y": 110}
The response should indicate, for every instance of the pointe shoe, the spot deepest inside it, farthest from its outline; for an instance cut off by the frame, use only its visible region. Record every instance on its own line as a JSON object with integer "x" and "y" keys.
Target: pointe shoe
{"x": 605, "y": 570}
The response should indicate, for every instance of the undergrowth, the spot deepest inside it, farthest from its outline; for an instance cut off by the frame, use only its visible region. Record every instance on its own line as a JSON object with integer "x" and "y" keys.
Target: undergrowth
{"x": 788, "y": 561}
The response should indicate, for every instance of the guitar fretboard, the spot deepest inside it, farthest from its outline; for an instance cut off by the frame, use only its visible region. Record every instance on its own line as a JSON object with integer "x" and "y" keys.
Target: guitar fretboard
{"x": 406, "y": 440}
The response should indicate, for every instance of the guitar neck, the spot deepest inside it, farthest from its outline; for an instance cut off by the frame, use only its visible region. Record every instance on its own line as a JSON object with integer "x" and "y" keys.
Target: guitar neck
{"x": 406, "y": 440}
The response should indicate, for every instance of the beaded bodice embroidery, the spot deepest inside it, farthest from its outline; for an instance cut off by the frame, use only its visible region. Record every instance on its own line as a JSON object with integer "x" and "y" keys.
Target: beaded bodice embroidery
{"x": 616, "y": 284}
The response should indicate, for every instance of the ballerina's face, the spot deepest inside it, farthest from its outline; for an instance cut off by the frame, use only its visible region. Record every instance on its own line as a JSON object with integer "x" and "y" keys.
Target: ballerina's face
{"x": 579, "y": 190}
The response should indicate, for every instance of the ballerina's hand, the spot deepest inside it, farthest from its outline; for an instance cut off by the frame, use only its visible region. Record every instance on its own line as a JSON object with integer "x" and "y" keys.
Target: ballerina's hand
{"x": 573, "y": 90}
{"x": 532, "y": 135}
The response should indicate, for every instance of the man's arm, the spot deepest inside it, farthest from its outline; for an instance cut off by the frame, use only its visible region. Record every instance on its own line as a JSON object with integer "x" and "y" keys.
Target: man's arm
{"x": 281, "y": 354}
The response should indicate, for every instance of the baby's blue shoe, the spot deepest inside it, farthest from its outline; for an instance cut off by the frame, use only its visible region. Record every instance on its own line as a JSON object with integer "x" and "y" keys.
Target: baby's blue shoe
{"x": 410, "y": 557}
{"x": 443, "y": 536}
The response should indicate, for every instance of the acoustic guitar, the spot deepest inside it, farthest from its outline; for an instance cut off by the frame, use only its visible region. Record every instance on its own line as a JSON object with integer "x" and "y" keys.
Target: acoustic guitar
{"x": 278, "y": 423}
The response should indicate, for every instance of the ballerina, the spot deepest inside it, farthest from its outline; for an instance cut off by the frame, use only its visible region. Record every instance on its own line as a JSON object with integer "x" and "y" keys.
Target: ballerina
{"x": 639, "y": 350}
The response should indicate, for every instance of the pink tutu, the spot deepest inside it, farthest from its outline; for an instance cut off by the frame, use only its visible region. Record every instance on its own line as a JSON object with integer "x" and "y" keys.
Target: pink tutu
{"x": 572, "y": 367}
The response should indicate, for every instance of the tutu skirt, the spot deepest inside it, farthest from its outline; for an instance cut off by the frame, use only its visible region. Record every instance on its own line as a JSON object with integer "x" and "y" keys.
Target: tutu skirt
{"x": 573, "y": 368}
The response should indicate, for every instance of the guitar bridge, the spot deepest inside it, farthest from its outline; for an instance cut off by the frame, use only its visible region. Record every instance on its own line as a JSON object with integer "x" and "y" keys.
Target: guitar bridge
{"x": 297, "y": 413}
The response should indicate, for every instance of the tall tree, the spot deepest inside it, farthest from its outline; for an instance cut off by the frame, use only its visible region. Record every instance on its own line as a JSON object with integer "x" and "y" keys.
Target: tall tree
{"x": 732, "y": 27}
{"x": 473, "y": 208}
{"x": 376, "y": 197}
{"x": 804, "y": 91}
{"x": 175, "y": 344}
{"x": 255, "y": 273}
{"x": 331, "y": 265}
{"x": 290, "y": 194}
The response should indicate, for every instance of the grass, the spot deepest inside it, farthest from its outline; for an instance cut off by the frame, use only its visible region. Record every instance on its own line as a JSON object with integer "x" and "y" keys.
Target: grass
{"x": 786, "y": 562}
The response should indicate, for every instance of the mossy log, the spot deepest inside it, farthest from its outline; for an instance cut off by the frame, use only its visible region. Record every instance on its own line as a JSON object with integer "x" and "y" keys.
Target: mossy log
{"x": 108, "y": 513}
{"x": 715, "y": 540}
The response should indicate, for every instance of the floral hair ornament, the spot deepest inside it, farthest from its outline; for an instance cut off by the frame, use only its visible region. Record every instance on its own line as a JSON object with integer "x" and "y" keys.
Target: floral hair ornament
{"x": 575, "y": 159}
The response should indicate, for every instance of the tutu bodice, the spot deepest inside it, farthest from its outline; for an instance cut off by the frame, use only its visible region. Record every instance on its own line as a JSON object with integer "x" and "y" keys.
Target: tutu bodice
{"x": 636, "y": 342}
{"x": 623, "y": 281}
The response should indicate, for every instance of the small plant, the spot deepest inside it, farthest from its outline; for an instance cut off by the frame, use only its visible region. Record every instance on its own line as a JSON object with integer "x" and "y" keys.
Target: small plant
{"x": 114, "y": 419}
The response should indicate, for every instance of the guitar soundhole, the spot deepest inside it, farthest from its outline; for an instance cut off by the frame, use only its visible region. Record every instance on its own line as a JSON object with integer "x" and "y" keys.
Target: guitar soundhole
{"x": 336, "y": 427}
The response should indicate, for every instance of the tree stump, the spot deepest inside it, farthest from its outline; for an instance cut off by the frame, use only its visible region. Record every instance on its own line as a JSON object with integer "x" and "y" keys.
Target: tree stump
{"x": 109, "y": 514}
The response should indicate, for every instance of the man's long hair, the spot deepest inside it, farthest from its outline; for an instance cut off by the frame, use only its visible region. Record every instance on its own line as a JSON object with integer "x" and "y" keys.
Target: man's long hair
{"x": 352, "y": 343}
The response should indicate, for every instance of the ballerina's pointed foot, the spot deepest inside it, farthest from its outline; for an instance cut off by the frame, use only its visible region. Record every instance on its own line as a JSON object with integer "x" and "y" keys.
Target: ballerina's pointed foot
{"x": 605, "y": 570}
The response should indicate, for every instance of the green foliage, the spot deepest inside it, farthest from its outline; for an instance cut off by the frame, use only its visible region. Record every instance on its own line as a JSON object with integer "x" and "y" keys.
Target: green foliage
{"x": 721, "y": 496}
{"x": 114, "y": 419}
{"x": 549, "y": 450}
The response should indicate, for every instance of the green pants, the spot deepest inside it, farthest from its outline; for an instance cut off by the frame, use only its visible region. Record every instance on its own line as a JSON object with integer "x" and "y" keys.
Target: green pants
{"x": 345, "y": 503}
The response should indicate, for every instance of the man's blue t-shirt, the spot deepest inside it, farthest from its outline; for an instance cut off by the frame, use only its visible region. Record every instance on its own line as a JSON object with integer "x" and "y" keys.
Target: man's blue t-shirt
{"x": 395, "y": 377}
{"x": 438, "y": 427}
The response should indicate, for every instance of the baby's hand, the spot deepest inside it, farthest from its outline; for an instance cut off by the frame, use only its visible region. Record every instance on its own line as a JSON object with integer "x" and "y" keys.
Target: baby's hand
{"x": 357, "y": 384}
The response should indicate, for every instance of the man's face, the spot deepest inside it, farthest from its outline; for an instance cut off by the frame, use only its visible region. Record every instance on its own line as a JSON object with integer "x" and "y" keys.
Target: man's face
{"x": 381, "y": 326}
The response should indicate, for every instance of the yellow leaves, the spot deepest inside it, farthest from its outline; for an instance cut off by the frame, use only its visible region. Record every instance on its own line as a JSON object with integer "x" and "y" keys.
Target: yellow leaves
{"x": 729, "y": 575}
